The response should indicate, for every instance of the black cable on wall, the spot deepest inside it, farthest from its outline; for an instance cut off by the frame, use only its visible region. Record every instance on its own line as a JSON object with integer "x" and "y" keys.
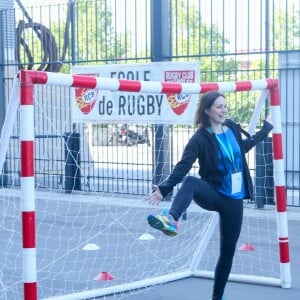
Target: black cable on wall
{"x": 49, "y": 56}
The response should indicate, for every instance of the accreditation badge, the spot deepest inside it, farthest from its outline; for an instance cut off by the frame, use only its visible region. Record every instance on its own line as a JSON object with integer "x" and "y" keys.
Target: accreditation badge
{"x": 236, "y": 182}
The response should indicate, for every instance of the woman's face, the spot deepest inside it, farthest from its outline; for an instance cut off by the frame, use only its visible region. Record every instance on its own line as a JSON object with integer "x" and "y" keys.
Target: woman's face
{"x": 217, "y": 112}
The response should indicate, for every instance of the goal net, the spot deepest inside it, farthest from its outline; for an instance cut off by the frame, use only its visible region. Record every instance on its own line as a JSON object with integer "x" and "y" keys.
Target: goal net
{"x": 73, "y": 196}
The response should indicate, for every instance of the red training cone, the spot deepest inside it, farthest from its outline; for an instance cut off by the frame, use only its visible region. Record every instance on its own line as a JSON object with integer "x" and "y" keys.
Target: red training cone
{"x": 246, "y": 247}
{"x": 104, "y": 276}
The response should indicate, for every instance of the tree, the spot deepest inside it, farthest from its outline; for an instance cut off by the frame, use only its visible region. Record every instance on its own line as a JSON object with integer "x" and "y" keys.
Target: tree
{"x": 195, "y": 38}
{"x": 286, "y": 28}
{"x": 97, "y": 39}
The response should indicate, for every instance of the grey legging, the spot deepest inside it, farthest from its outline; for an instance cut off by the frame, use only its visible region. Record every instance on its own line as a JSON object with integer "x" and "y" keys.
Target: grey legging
{"x": 231, "y": 215}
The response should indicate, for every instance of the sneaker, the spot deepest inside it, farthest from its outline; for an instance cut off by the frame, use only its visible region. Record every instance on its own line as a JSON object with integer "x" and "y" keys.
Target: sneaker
{"x": 163, "y": 223}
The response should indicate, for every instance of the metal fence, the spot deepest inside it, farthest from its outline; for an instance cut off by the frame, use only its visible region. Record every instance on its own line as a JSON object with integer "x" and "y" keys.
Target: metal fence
{"x": 232, "y": 40}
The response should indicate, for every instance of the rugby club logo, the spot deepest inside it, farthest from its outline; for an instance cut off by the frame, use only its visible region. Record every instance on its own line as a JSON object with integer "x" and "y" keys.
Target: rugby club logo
{"x": 179, "y": 102}
{"x": 86, "y": 98}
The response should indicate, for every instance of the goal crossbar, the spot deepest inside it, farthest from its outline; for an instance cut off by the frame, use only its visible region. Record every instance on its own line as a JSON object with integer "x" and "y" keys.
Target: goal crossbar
{"x": 29, "y": 78}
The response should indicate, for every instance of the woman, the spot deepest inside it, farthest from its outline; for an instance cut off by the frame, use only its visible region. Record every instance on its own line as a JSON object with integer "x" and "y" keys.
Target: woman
{"x": 224, "y": 179}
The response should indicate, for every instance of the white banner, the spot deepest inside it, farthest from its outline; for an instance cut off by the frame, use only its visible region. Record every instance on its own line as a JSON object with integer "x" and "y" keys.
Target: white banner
{"x": 99, "y": 106}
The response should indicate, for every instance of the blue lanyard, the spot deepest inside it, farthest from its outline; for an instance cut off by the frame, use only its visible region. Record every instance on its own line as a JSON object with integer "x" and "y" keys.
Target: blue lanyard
{"x": 226, "y": 148}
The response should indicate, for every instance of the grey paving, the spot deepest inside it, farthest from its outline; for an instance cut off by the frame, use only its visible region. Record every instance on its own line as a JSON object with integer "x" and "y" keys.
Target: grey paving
{"x": 200, "y": 289}
{"x": 72, "y": 219}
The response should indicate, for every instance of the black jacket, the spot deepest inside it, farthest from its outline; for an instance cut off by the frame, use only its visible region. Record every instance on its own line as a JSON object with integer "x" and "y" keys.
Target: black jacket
{"x": 203, "y": 146}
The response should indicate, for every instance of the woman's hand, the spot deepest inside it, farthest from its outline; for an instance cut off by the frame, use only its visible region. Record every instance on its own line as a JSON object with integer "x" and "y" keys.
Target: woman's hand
{"x": 155, "y": 197}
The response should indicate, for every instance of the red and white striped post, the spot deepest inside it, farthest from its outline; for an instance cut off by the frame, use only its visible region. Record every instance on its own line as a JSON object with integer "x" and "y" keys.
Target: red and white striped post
{"x": 27, "y": 186}
{"x": 280, "y": 190}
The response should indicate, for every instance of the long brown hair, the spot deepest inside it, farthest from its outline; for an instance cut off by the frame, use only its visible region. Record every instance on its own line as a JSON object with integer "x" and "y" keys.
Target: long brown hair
{"x": 207, "y": 100}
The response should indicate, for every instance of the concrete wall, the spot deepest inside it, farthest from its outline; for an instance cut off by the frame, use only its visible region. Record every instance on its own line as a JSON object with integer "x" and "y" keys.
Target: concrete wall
{"x": 289, "y": 79}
